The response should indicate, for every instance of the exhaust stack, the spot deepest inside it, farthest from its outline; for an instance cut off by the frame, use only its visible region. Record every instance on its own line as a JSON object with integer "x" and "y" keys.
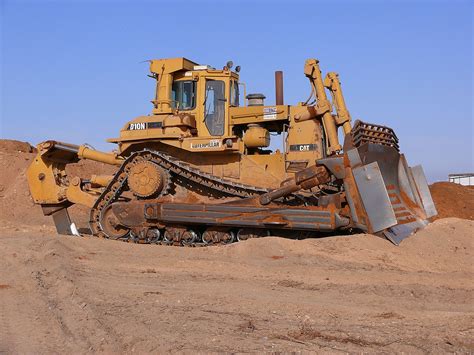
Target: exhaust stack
{"x": 279, "y": 87}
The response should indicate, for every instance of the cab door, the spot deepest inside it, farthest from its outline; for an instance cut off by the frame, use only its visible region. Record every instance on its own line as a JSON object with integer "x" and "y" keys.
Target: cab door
{"x": 215, "y": 107}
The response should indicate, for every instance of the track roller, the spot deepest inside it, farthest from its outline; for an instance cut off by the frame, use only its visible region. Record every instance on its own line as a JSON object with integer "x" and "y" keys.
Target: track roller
{"x": 153, "y": 236}
{"x": 189, "y": 237}
{"x": 168, "y": 236}
{"x": 212, "y": 236}
{"x": 247, "y": 233}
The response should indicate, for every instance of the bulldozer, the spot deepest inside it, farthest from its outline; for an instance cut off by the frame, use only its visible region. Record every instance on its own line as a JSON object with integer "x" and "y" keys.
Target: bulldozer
{"x": 200, "y": 170}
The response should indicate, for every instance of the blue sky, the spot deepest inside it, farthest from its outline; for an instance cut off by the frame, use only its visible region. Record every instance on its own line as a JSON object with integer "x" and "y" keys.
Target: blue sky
{"x": 74, "y": 71}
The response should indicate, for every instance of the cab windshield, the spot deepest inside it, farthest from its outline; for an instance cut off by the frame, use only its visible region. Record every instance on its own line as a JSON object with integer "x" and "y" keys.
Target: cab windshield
{"x": 183, "y": 95}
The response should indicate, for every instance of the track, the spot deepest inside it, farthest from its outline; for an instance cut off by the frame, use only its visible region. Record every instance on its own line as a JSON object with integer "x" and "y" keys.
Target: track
{"x": 213, "y": 185}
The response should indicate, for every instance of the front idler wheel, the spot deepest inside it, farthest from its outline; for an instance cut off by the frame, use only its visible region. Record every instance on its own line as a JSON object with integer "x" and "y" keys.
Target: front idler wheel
{"x": 111, "y": 225}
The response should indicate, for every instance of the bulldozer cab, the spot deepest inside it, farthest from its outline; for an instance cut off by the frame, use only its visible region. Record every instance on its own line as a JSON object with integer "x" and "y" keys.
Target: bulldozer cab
{"x": 197, "y": 90}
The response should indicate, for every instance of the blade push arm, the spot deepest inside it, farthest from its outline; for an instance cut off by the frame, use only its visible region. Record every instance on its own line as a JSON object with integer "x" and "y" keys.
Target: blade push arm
{"x": 343, "y": 117}
{"x": 323, "y": 106}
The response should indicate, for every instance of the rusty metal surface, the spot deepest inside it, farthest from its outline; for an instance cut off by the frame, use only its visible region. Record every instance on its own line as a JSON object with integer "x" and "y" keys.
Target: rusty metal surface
{"x": 278, "y": 87}
{"x": 285, "y": 190}
{"x": 303, "y": 180}
{"x": 141, "y": 213}
{"x": 335, "y": 165}
{"x": 111, "y": 226}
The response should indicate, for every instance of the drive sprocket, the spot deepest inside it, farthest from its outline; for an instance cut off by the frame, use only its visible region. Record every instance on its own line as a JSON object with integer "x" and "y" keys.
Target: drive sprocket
{"x": 147, "y": 179}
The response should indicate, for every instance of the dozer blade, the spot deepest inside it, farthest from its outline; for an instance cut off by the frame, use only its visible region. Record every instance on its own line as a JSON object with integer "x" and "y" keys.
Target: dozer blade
{"x": 386, "y": 196}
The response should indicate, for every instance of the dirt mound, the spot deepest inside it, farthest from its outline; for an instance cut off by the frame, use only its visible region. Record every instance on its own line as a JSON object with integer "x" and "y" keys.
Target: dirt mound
{"x": 443, "y": 245}
{"x": 453, "y": 200}
{"x": 13, "y": 146}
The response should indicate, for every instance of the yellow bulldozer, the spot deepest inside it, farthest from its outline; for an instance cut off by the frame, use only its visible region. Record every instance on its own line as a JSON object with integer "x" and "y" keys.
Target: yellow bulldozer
{"x": 199, "y": 169}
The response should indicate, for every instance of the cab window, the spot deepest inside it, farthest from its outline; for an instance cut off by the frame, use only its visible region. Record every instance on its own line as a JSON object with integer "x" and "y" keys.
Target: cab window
{"x": 214, "y": 107}
{"x": 183, "y": 95}
{"x": 234, "y": 94}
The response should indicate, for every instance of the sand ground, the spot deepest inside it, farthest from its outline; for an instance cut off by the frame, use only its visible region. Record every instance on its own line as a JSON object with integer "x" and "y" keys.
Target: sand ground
{"x": 351, "y": 293}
